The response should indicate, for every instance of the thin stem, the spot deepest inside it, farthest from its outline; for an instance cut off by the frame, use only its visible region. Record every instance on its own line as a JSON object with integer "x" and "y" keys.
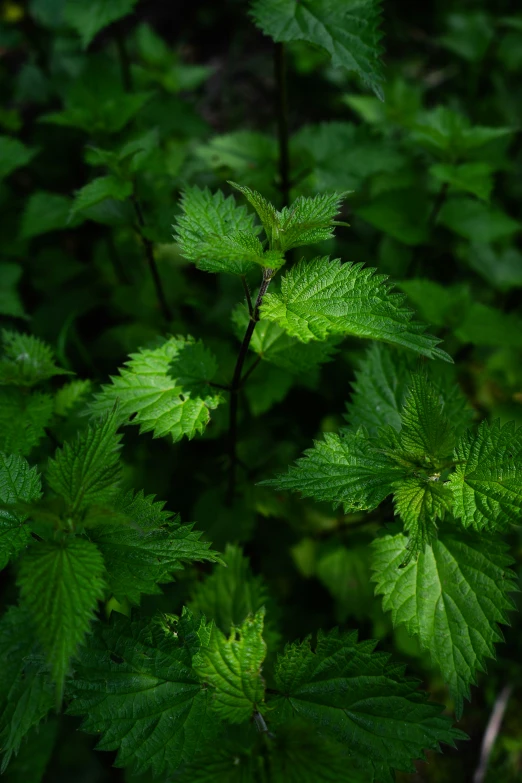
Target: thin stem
{"x": 218, "y": 386}
{"x": 491, "y": 733}
{"x": 437, "y": 204}
{"x": 282, "y": 121}
{"x": 250, "y": 370}
{"x": 247, "y": 296}
{"x": 123, "y": 57}
{"x": 236, "y": 385}
{"x": 119, "y": 269}
{"x": 149, "y": 254}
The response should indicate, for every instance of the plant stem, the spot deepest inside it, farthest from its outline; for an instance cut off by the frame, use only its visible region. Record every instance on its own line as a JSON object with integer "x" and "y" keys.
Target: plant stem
{"x": 250, "y": 370}
{"x": 491, "y": 733}
{"x": 437, "y": 204}
{"x": 282, "y": 121}
{"x": 236, "y": 385}
{"x": 123, "y": 57}
{"x": 247, "y": 296}
{"x": 149, "y": 254}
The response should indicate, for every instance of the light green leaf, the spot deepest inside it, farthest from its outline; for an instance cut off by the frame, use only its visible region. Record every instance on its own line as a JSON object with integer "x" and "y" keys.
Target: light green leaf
{"x": 26, "y": 360}
{"x": 26, "y": 695}
{"x": 450, "y": 135}
{"x": 18, "y": 482}
{"x": 451, "y": 598}
{"x": 355, "y": 696}
{"x": 146, "y": 551}
{"x": 13, "y": 155}
{"x": 322, "y": 297}
{"x": 232, "y": 667}
{"x": 420, "y": 503}
{"x": 100, "y": 189}
{"x": 87, "y": 471}
{"x": 425, "y": 432}
{"x": 475, "y": 178}
{"x": 136, "y": 687}
{"x": 149, "y": 388}
{"x": 88, "y": 17}
{"x": 342, "y": 469}
{"x": 476, "y": 221}
{"x": 501, "y": 268}
{"x": 45, "y": 212}
{"x": 487, "y": 482}
{"x": 71, "y": 395}
{"x": 60, "y": 585}
{"x": 348, "y": 31}
{"x": 207, "y": 218}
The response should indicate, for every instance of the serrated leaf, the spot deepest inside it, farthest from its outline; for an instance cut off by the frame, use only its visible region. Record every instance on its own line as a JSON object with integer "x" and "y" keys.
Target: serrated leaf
{"x": 322, "y": 297}
{"x": 144, "y": 552}
{"x": 13, "y": 155}
{"x": 26, "y": 360}
{"x": 149, "y": 389}
{"x": 100, "y": 189}
{"x": 135, "y": 685}
{"x": 26, "y": 696}
{"x": 23, "y": 419}
{"x": 18, "y": 482}
{"x": 355, "y": 696}
{"x": 211, "y": 218}
{"x": 451, "y": 598}
{"x": 342, "y": 469}
{"x": 88, "y": 17}
{"x": 425, "y": 430}
{"x": 420, "y": 503}
{"x": 450, "y": 134}
{"x": 70, "y": 396}
{"x": 232, "y": 667}
{"x": 32, "y": 766}
{"x": 60, "y": 585}
{"x": 87, "y": 471}
{"x": 348, "y": 31}
{"x": 487, "y": 482}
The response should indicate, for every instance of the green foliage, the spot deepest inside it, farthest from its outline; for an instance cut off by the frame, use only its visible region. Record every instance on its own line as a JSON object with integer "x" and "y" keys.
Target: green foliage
{"x": 88, "y": 18}
{"x": 232, "y": 667}
{"x": 60, "y": 585}
{"x": 26, "y": 360}
{"x": 23, "y": 419}
{"x": 18, "y": 482}
{"x": 150, "y": 388}
{"x": 13, "y": 155}
{"x": 355, "y": 696}
{"x": 457, "y": 583}
{"x": 349, "y": 32}
{"x": 323, "y": 297}
{"x": 135, "y": 683}
{"x": 100, "y": 189}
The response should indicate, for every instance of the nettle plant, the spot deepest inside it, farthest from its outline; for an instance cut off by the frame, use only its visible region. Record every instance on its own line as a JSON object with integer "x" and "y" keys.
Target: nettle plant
{"x": 191, "y": 695}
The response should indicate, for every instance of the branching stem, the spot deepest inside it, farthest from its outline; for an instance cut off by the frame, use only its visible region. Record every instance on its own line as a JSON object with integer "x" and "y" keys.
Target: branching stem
{"x": 247, "y": 296}
{"x": 235, "y": 386}
{"x": 149, "y": 254}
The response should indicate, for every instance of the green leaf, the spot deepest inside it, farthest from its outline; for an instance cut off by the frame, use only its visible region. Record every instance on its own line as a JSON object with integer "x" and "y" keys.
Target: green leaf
{"x": 23, "y": 419}
{"x": 342, "y": 469}
{"x": 380, "y": 389}
{"x": 425, "y": 431}
{"x": 451, "y": 598}
{"x": 324, "y": 297}
{"x": 476, "y": 221}
{"x": 88, "y": 17}
{"x": 449, "y": 134}
{"x": 305, "y": 222}
{"x": 469, "y": 34}
{"x": 60, "y": 585}
{"x": 207, "y": 218}
{"x": 70, "y": 395}
{"x": 32, "y": 766}
{"x": 487, "y": 482}
{"x": 144, "y": 552}
{"x": 18, "y": 482}
{"x": 13, "y": 155}
{"x": 87, "y": 471}
{"x": 355, "y": 696}
{"x": 25, "y": 693}
{"x": 500, "y": 268}
{"x": 348, "y": 31}
{"x": 440, "y": 305}
{"x": 135, "y": 685}
{"x": 402, "y": 214}
{"x": 232, "y": 593}
{"x": 100, "y": 189}
{"x": 45, "y": 212}
{"x": 485, "y": 325}
{"x": 10, "y": 301}
{"x": 232, "y": 667}
{"x": 149, "y": 389}
{"x": 26, "y": 360}
{"x": 475, "y": 178}
{"x": 420, "y": 503}
{"x": 245, "y": 155}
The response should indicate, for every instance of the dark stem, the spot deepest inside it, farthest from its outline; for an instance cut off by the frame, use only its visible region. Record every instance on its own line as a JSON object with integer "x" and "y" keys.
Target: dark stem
{"x": 437, "y": 204}
{"x": 149, "y": 254}
{"x": 250, "y": 370}
{"x": 282, "y": 121}
{"x": 119, "y": 269}
{"x": 218, "y": 385}
{"x": 236, "y": 385}
{"x": 123, "y": 57}
{"x": 247, "y": 296}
